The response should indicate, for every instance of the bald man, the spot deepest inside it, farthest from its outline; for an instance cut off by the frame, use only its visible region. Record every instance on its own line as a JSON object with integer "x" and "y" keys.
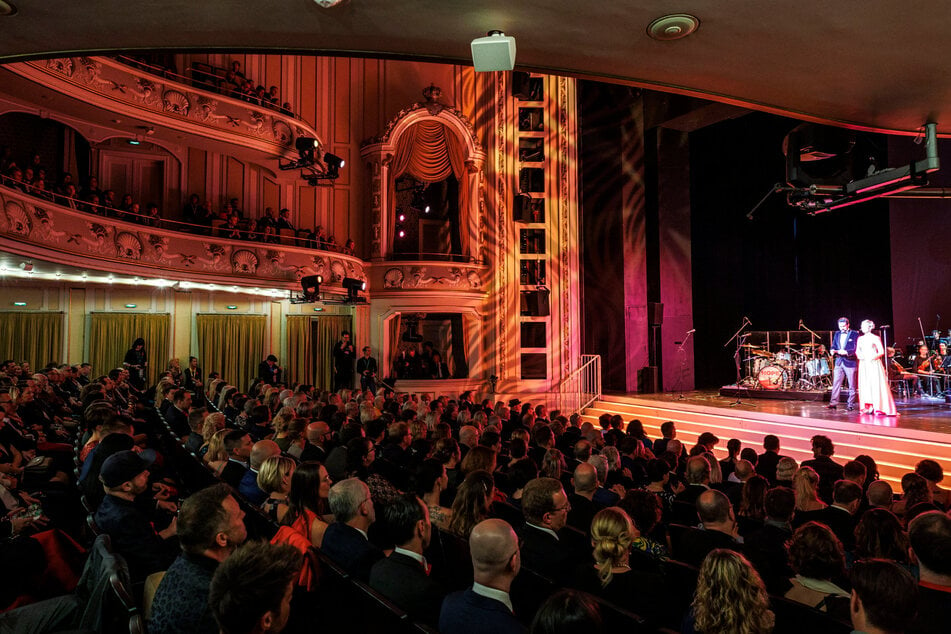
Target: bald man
{"x": 260, "y": 451}
{"x": 585, "y": 483}
{"x": 318, "y": 442}
{"x": 718, "y": 529}
{"x": 486, "y": 608}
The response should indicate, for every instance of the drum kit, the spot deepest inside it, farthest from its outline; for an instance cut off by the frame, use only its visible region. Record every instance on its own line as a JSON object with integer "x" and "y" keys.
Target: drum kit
{"x": 796, "y": 366}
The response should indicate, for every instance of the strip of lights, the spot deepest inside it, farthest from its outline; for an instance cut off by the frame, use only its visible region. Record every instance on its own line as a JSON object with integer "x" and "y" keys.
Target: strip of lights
{"x": 110, "y": 279}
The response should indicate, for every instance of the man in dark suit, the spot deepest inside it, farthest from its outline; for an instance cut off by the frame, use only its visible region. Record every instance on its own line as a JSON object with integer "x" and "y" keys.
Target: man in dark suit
{"x": 929, "y": 535}
{"x": 269, "y": 372}
{"x": 846, "y": 363}
{"x": 486, "y": 607}
{"x": 840, "y": 515}
{"x": 698, "y": 480}
{"x": 545, "y": 508}
{"x": 767, "y": 461}
{"x": 582, "y": 511}
{"x": 367, "y": 369}
{"x": 345, "y": 540}
{"x": 829, "y": 471}
{"x": 344, "y": 353}
{"x": 719, "y": 529}
{"x": 438, "y": 368}
{"x": 403, "y": 577}
{"x": 248, "y": 487}
{"x": 318, "y": 435}
{"x": 238, "y": 447}
{"x": 177, "y": 415}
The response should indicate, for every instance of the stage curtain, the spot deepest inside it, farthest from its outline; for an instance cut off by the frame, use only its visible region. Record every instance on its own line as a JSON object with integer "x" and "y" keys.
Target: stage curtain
{"x": 326, "y": 333}
{"x": 386, "y": 365}
{"x": 300, "y": 350}
{"x": 430, "y": 155}
{"x": 33, "y": 337}
{"x": 233, "y": 345}
{"x": 111, "y": 335}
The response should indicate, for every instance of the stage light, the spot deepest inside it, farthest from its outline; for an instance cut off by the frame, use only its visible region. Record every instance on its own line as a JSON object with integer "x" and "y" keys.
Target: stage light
{"x": 353, "y": 286}
{"x": 402, "y": 217}
{"x": 333, "y": 163}
{"x": 306, "y": 147}
{"x": 402, "y": 233}
{"x": 496, "y": 51}
{"x": 310, "y": 285}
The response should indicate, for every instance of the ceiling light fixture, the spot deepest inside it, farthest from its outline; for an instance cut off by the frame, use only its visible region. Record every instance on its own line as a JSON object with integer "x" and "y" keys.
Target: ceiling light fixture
{"x": 130, "y": 305}
{"x": 19, "y": 303}
{"x": 328, "y": 4}
{"x": 673, "y": 27}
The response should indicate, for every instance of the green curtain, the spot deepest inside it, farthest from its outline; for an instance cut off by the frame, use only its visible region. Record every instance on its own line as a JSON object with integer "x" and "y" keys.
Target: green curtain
{"x": 33, "y": 337}
{"x": 300, "y": 350}
{"x": 111, "y": 335}
{"x": 326, "y": 333}
{"x": 233, "y": 345}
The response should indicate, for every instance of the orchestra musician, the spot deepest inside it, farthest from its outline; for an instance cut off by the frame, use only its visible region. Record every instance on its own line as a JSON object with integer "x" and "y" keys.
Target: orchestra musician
{"x": 897, "y": 372}
{"x": 924, "y": 365}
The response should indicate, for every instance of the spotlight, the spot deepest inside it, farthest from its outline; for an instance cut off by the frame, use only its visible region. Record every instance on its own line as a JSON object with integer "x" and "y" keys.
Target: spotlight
{"x": 306, "y": 147}
{"x": 353, "y": 286}
{"x": 402, "y": 217}
{"x": 496, "y": 51}
{"x": 333, "y": 163}
{"x": 310, "y": 284}
{"x": 402, "y": 233}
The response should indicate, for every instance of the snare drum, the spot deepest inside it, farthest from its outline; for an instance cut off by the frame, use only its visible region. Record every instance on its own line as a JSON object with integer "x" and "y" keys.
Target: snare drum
{"x": 772, "y": 377}
{"x": 817, "y": 367}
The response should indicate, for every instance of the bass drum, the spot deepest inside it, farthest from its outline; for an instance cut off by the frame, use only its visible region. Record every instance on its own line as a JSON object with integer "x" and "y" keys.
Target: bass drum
{"x": 772, "y": 377}
{"x": 817, "y": 367}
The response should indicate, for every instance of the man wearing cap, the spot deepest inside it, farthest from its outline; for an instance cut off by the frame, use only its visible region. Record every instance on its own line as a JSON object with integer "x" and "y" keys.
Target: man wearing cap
{"x": 124, "y": 475}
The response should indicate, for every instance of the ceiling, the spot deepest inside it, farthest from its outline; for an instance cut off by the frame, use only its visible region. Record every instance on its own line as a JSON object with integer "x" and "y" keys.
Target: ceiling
{"x": 878, "y": 64}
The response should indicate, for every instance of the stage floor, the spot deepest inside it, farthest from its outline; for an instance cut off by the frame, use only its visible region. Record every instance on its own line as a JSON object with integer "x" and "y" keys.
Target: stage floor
{"x": 922, "y": 414}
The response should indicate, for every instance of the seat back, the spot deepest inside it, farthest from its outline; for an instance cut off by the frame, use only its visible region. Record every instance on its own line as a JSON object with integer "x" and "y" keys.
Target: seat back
{"x": 794, "y": 618}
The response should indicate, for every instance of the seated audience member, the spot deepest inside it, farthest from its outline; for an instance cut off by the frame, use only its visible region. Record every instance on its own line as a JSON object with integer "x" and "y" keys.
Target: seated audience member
{"x": 124, "y": 476}
{"x": 698, "y": 479}
{"x": 806, "y": 486}
{"x": 931, "y": 471}
{"x": 177, "y": 415}
{"x": 718, "y": 529}
{"x": 767, "y": 461}
{"x": 730, "y": 597}
{"x": 752, "y": 508}
{"x": 307, "y": 501}
{"x": 472, "y": 502}
{"x": 568, "y": 611}
{"x": 431, "y": 480}
{"x": 916, "y": 497}
{"x": 879, "y": 535}
{"x": 237, "y": 445}
{"x": 248, "y": 487}
{"x": 840, "y": 515}
{"x": 785, "y": 470}
{"x": 545, "y": 508}
{"x": 930, "y": 537}
{"x": 880, "y": 495}
{"x": 317, "y": 448}
{"x": 251, "y": 591}
{"x": 210, "y": 527}
{"x": 603, "y": 497}
{"x": 403, "y": 577}
{"x": 274, "y": 478}
{"x": 345, "y": 540}
{"x": 828, "y": 470}
{"x": 196, "y": 422}
{"x": 583, "y": 509}
{"x": 818, "y": 561}
{"x": 766, "y": 547}
{"x": 646, "y": 511}
{"x": 884, "y": 597}
{"x": 486, "y": 607}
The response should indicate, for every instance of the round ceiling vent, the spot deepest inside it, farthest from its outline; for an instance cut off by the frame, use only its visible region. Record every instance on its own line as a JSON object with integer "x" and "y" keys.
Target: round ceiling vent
{"x": 673, "y": 27}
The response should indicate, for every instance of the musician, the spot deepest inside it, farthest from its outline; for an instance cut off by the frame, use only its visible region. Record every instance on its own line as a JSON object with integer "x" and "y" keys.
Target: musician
{"x": 897, "y": 372}
{"x": 846, "y": 363}
{"x": 924, "y": 365}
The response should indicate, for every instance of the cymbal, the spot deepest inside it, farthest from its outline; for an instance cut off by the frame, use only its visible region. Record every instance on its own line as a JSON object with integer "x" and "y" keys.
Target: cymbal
{"x": 761, "y": 353}
{"x": 787, "y": 343}
{"x": 810, "y": 345}
{"x": 749, "y": 345}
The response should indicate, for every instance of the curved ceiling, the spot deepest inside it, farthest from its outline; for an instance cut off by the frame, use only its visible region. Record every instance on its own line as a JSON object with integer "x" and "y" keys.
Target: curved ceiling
{"x": 877, "y": 64}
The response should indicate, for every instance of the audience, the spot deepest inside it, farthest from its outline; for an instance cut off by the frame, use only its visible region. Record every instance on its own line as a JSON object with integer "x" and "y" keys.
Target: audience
{"x": 730, "y": 598}
{"x": 346, "y": 540}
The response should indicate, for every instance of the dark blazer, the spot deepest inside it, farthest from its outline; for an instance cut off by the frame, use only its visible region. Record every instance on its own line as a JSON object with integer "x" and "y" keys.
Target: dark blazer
{"x": 232, "y": 473}
{"x": 469, "y": 613}
{"x": 402, "y": 580}
{"x": 355, "y": 554}
{"x": 178, "y": 421}
{"x": 542, "y": 553}
{"x": 696, "y": 543}
{"x": 581, "y": 513}
{"x": 841, "y": 522}
{"x": 313, "y": 452}
{"x": 850, "y": 360}
{"x": 248, "y": 487}
{"x": 766, "y": 465}
{"x": 766, "y": 550}
{"x": 829, "y": 471}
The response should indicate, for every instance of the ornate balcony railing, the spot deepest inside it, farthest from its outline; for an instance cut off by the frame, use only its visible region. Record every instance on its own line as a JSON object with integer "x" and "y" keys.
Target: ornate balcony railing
{"x": 36, "y": 227}
{"x": 120, "y": 88}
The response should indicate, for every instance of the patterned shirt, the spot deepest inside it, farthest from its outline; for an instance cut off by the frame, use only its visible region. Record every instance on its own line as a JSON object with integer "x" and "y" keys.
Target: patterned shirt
{"x": 181, "y": 601}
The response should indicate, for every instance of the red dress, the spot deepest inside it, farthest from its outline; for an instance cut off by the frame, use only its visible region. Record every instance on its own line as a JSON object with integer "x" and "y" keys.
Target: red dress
{"x": 874, "y": 392}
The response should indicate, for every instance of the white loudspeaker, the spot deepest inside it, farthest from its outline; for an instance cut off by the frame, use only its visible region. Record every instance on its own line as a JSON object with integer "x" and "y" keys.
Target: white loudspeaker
{"x": 496, "y": 51}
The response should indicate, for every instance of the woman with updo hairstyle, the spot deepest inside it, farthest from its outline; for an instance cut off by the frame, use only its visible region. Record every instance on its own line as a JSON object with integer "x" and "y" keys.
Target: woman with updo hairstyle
{"x": 612, "y": 532}
{"x": 879, "y": 535}
{"x": 806, "y": 486}
{"x": 473, "y": 499}
{"x": 818, "y": 560}
{"x": 430, "y": 480}
{"x": 274, "y": 478}
{"x": 786, "y": 471}
{"x": 553, "y": 463}
{"x": 730, "y": 597}
{"x": 753, "y": 502}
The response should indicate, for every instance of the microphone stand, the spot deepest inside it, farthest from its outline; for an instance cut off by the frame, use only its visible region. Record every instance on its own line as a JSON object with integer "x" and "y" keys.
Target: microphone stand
{"x": 683, "y": 365}
{"x": 736, "y": 357}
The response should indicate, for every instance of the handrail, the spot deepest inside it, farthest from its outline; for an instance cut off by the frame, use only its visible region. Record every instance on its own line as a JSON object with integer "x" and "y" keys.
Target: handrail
{"x": 580, "y": 389}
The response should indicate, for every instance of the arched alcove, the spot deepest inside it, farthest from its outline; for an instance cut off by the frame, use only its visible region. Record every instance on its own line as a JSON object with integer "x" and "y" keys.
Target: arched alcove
{"x": 432, "y": 145}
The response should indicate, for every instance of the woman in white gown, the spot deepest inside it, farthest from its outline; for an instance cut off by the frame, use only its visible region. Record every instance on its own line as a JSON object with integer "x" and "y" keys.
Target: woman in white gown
{"x": 875, "y": 396}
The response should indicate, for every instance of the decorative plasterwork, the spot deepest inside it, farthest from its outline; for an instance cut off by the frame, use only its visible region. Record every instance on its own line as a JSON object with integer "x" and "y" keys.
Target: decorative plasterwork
{"x": 118, "y": 88}
{"x": 430, "y": 276}
{"x": 67, "y": 236}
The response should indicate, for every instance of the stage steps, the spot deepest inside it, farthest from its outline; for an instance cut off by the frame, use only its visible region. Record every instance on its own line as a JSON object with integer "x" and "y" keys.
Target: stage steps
{"x": 895, "y": 450}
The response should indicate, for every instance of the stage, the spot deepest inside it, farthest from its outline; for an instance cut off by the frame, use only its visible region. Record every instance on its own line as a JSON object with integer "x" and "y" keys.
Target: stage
{"x": 921, "y": 430}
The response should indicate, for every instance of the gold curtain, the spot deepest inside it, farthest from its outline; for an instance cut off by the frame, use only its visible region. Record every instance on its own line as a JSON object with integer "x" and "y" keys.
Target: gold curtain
{"x": 233, "y": 345}
{"x": 386, "y": 365}
{"x": 326, "y": 333}
{"x": 300, "y": 350}
{"x": 33, "y": 337}
{"x": 111, "y": 335}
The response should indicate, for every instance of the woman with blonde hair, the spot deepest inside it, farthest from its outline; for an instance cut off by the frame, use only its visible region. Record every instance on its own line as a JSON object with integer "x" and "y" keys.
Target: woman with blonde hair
{"x": 212, "y": 423}
{"x": 730, "y": 597}
{"x": 274, "y": 478}
{"x": 216, "y": 457}
{"x": 553, "y": 463}
{"x": 612, "y": 533}
{"x": 806, "y": 486}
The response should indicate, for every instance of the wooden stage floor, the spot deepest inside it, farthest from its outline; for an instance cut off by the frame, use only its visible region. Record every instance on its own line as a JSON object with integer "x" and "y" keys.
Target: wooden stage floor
{"x": 921, "y": 430}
